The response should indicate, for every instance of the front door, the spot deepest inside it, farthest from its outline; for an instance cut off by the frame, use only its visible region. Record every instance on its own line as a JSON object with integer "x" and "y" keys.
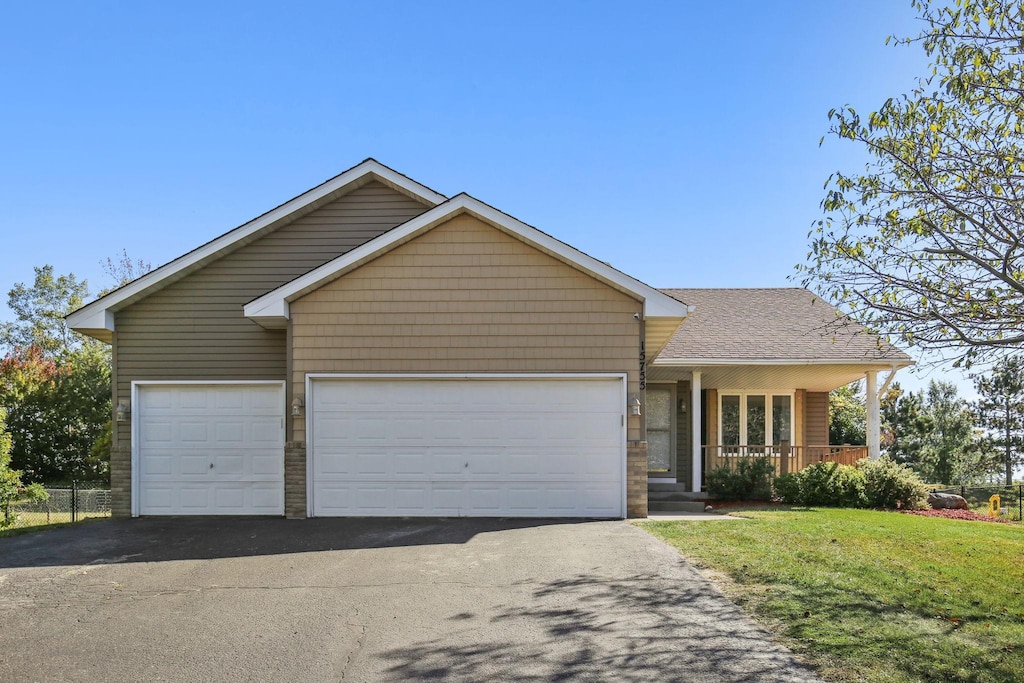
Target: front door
{"x": 660, "y": 443}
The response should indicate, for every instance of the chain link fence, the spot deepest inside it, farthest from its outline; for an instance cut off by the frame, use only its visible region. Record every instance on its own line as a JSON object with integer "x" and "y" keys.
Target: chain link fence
{"x": 67, "y": 503}
{"x": 1011, "y": 498}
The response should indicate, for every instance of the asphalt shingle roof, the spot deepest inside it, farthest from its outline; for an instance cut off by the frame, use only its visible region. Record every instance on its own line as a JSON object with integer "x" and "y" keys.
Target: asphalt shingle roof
{"x": 781, "y": 324}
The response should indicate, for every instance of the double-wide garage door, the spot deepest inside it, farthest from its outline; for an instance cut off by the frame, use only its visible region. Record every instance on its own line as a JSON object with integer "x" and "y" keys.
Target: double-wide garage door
{"x": 477, "y": 446}
{"x": 209, "y": 449}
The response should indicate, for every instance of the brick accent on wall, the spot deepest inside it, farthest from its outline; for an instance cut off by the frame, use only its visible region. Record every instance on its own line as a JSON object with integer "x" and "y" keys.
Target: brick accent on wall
{"x": 121, "y": 481}
{"x": 636, "y": 479}
{"x": 295, "y": 480}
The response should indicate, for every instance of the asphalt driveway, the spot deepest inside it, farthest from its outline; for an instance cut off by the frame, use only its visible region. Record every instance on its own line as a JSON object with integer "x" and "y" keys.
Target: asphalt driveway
{"x": 368, "y": 600}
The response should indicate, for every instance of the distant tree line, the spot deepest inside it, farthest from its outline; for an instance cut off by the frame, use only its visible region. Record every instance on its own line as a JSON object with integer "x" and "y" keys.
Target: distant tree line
{"x": 944, "y": 437}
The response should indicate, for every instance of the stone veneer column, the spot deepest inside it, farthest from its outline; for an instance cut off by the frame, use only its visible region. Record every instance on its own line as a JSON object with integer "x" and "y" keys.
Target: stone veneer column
{"x": 636, "y": 479}
{"x": 295, "y": 480}
{"x": 120, "y": 481}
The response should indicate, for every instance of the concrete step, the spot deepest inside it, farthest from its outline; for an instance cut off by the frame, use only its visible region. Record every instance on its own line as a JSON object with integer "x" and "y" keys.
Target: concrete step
{"x": 674, "y": 506}
{"x": 676, "y": 496}
{"x": 676, "y": 487}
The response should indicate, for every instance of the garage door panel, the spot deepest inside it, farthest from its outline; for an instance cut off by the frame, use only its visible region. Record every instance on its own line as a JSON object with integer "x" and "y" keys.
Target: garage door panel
{"x": 158, "y": 464}
{"x": 193, "y": 431}
{"x": 477, "y": 447}
{"x": 194, "y": 499}
{"x": 193, "y": 463}
{"x": 210, "y": 449}
{"x": 410, "y": 462}
{"x": 332, "y": 463}
{"x": 267, "y": 497}
{"x": 229, "y": 465}
{"x": 484, "y": 500}
{"x": 158, "y": 432}
{"x": 372, "y": 464}
{"x": 446, "y": 464}
{"x": 266, "y": 466}
{"x": 411, "y": 498}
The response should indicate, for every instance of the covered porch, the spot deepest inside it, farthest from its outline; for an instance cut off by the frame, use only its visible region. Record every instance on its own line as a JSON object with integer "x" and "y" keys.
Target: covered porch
{"x": 700, "y": 417}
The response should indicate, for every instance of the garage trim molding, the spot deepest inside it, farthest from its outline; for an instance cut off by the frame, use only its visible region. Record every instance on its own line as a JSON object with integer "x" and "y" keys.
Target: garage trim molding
{"x": 138, "y": 384}
{"x": 481, "y": 376}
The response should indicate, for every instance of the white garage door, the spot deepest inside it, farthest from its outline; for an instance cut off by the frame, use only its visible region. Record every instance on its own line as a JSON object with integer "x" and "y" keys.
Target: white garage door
{"x": 209, "y": 449}
{"x": 467, "y": 447}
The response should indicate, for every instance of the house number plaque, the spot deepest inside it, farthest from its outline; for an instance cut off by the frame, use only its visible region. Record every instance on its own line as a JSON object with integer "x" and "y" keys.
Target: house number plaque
{"x": 643, "y": 367}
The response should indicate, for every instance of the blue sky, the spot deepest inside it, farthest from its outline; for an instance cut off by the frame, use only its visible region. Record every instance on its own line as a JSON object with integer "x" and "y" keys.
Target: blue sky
{"x": 676, "y": 140}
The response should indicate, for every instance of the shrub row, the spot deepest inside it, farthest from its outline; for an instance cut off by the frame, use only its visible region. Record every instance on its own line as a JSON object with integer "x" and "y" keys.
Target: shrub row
{"x": 878, "y": 483}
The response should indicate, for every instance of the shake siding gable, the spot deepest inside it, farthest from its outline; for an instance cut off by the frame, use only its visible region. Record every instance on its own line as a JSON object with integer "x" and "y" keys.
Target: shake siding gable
{"x": 464, "y": 298}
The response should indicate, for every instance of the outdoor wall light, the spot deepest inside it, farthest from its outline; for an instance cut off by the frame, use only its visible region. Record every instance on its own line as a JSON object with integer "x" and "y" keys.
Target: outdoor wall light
{"x": 297, "y": 405}
{"x": 123, "y": 410}
{"x": 634, "y": 407}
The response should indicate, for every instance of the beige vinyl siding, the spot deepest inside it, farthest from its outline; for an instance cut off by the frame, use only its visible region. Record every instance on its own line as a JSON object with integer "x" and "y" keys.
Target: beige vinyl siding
{"x": 194, "y": 328}
{"x": 816, "y": 418}
{"x": 465, "y": 297}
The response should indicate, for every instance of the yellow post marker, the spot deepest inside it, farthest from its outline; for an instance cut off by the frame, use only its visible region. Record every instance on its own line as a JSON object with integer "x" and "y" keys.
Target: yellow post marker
{"x": 993, "y": 506}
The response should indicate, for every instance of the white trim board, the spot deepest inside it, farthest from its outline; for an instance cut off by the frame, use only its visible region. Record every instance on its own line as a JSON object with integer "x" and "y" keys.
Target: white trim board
{"x": 272, "y": 311}
{"x": 880, "y": 363}
{"x": 97, "y": 317}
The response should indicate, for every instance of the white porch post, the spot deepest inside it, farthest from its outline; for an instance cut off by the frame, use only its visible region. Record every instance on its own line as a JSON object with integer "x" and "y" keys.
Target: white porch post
{"x": 695, "y": 415}
{"x": 874, "y": 431}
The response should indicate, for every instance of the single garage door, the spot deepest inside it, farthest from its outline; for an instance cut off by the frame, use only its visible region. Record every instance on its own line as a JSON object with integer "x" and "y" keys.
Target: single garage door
{"x": 531, "y": 447}
{"x": 210, "y": 449}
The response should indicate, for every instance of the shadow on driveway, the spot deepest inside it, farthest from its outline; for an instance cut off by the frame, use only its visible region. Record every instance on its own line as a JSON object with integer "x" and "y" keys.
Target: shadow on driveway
{"x": 596, "y": 629}
{"x": 203, "y": 538}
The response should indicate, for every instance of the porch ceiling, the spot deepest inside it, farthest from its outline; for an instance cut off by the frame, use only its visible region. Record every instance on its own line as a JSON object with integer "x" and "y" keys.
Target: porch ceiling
{"x": 783, "y": 377}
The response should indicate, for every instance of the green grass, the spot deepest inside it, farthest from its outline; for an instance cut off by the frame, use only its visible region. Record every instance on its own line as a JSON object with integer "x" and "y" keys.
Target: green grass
{"x": 34, "y": 528}
{"x": 873, "y": 596}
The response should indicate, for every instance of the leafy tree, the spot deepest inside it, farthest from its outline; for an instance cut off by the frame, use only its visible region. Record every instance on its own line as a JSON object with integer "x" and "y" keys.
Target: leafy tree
{"x": 40, "y": 310}
{"x": 934, "y": 432}
{"x": 926, "y": 244}
{"x": 57, "y": 410}
{"x": 951, "y": 435}
{"x": 1001, "y": 410}
{"x": 847, "y": 415}
{"x": 54, "y": 382}
{"x": 11, "y": 486}
{"x": 906, "y": 423}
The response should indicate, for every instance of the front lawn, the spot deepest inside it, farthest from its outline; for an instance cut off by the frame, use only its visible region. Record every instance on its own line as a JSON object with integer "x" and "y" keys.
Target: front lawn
{"x": 874, "y": 596}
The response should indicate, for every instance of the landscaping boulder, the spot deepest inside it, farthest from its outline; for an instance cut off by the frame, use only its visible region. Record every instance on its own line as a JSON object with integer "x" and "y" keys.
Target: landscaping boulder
{"x": 946, "y": 501}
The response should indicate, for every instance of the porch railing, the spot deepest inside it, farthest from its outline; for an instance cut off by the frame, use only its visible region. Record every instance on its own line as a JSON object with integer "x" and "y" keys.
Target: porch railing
{"x": 785, "y": 458}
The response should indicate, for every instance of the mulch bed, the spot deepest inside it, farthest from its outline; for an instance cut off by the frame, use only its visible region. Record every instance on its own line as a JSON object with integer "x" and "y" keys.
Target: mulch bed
{"x": 966, "y": 515}
{"x": 958, "y": 514}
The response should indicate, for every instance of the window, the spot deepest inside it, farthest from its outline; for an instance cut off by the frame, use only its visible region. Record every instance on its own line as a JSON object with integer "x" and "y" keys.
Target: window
{"x": 745, "y": 418}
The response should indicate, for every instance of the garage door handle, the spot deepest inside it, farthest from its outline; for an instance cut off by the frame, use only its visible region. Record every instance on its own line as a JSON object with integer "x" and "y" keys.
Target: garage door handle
{"x": 211, "y": 465}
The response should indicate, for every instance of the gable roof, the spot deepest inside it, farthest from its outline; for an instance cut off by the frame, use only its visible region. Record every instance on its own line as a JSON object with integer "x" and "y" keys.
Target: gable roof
{"x": 770, "y": 326}
{"x": 271, "y": 309}
{"x": 97, "y": 318}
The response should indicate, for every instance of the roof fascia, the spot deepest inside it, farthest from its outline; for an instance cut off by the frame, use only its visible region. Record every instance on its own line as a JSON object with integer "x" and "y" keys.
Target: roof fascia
{"x": 707, "y": 362}
{"x": 84, "y": 318}
{"x": 271, "y": 309}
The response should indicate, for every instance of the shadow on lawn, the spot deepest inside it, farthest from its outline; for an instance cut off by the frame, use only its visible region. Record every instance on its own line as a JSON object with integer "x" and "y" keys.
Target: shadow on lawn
{"x": 922, "y": 639}
{"x": 593, "y": 629}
